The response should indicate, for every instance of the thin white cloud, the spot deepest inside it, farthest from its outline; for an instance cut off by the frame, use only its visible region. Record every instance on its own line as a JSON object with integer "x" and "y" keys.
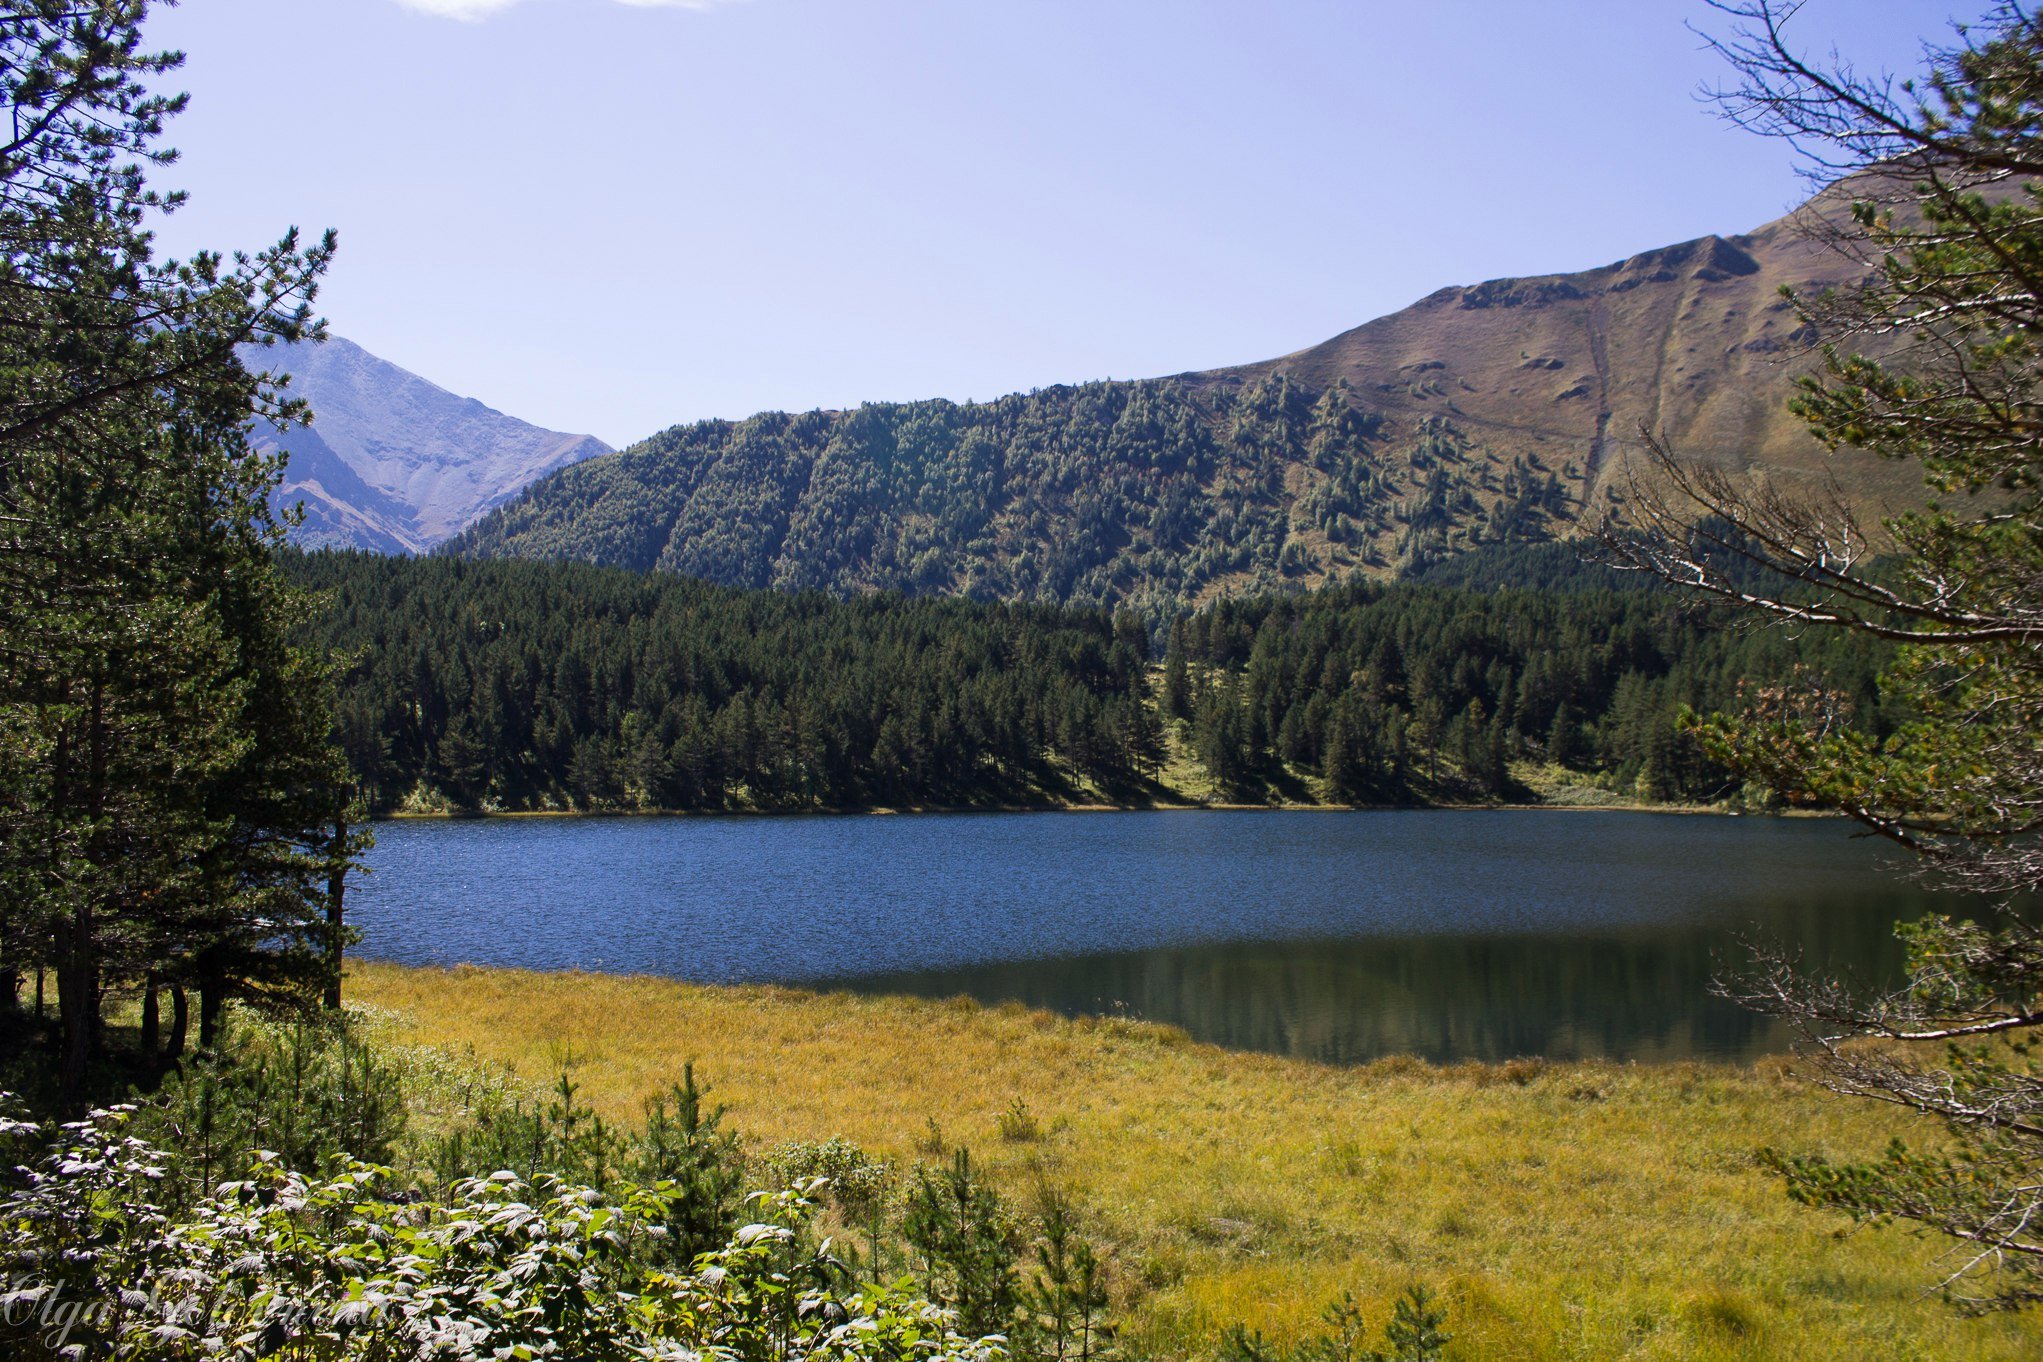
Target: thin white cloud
{"x": 471, "y": 11}
{"x": 466, "y": 10}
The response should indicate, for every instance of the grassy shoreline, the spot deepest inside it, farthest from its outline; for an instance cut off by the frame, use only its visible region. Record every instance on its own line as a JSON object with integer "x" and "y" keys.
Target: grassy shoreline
{"x": 889, "y": 811}
{"x": 1567, "y": 1211}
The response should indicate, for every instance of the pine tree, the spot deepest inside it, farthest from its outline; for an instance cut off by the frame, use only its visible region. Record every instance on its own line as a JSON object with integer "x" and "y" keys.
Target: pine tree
{"x": 686, "y": 1147}
{"x": 1337, "y": 760}
{"x": 1938, "y": 360}
{"x": 150, "y": 816}
{"x": 1177, "y": 680}
{"x": 1563, "y": 736}
{"x": 969, "y": 1245}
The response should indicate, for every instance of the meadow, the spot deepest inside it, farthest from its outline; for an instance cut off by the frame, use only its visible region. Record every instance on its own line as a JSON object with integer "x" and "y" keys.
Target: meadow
{"x": 1563, "y": 1211}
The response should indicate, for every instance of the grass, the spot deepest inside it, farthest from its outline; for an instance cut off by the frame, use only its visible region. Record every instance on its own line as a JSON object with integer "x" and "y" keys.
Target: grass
{"x": 1565, "y": 1211}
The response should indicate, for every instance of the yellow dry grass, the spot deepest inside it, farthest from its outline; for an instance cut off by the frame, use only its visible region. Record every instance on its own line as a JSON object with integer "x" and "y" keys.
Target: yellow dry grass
{"x": 1567, "y": 1211}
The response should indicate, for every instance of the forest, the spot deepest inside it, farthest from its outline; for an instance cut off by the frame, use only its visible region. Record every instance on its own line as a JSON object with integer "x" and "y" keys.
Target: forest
{"x": 1416, "y": 693}
{"x": 193, "y": 719}
{"x": 1149, "y": 494}
{"x": 524, "y": 686}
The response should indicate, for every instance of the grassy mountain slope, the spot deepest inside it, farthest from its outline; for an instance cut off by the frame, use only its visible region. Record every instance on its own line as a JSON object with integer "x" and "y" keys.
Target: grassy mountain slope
{"x": 1692, "y": 341}
{"x": 1496, "y": 413}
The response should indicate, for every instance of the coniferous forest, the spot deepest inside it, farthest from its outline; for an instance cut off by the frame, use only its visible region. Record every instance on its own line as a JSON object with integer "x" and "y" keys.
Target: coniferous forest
{"x": 522, "y": 686}
{"x": 1151, "y": 494}
{"x": 526, "y": 686}
{"x": 1229, "y": 589}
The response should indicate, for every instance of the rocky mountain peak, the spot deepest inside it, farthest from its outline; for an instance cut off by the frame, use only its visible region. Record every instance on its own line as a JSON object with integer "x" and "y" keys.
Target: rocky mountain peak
{"x": 395, "y": 463}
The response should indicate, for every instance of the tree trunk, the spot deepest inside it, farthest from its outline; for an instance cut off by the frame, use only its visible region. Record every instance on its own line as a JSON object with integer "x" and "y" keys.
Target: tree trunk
{"x": 336, "y": 912}
{"x": 78, "y": 1009}
{"x": 10, "y": 977}
{"x": 78, "y": 966}
{"x": 152, "y": 1024}
{"x": 212, "y": 1003}
{"x": 180, "y": 1023}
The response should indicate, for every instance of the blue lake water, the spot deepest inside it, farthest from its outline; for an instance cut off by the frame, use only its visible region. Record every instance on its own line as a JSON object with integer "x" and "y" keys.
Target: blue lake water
{"x": 1340, "y": 936}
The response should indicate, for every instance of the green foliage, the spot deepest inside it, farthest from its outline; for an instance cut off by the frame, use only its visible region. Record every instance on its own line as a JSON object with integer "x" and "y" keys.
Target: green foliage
{"x": 1938, "y": 360}
{"x": 316, "y": 1096}
{"x": 1018, "y": 1125}
{"x": 684, "y": 1148}
{"x": 1035, "y": 1280}
{"x": 311, "y": 1092}
{"x": 970, "y": 1245}
{"x": 559, "y": 1134}
{"x": 1412, "y": 1334}
{"x": 519, "y": 685}
{"x": 861, "y": 1188}
{"x": 1404, "y": 694}
{"x": 1065, "y": 1306}
{"x": 344, "y": 1267}
{"x": 166, "y": 781}
{"x": 239, "y": 1196}
{"x": 1149, "y": 494}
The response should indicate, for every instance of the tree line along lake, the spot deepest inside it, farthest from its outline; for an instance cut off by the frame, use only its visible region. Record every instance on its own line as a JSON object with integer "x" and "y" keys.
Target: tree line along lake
{"x": 1338, "y": 936}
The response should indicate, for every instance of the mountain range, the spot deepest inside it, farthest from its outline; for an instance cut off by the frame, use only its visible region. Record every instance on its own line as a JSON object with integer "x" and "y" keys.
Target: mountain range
{"x": 1693, "y": 342}
{"x": 392, "y": 462}
{"x": 1506, "y": 411}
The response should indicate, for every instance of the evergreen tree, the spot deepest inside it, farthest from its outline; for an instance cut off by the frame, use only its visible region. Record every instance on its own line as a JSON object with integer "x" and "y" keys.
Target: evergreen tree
{"x": 1562, "y": 736}
{"x": 1337, "y": 761}
{"x": 1177, "y": 680}
{"x": 162, "y": 757}
{"x": 1937, "y": 360}
{"x": 969, "y": 1243}
{"x": 685, "y": 1146}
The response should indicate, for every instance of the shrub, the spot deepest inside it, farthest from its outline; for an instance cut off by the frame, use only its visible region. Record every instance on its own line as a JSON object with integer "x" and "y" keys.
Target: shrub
{"x": 309, "y": 1091}
{"x": 348, "y": 1266}
{"x": 1412, "y": 1334}
{"x": 1018, "y": 1125}
{"x": 863, "y": 1189}
{"x": 969, "y": 1242}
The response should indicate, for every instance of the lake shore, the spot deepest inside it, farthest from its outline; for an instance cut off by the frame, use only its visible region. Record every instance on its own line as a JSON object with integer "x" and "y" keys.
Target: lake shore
{"x": 1178, "y": 788}
{"x": 884, "y": 811}
{"x": 1586, "y": 1210}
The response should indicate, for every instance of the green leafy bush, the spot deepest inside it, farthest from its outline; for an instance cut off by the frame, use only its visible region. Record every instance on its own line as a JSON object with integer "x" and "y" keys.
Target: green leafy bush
{"x": 309, "y": 1089}
{"x": 862, "y": 1189}
{"x": 352, "y": 1266}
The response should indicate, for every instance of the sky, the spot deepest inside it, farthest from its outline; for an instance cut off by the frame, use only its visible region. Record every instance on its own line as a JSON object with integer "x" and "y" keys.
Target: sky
{"x": 611, "y": 216}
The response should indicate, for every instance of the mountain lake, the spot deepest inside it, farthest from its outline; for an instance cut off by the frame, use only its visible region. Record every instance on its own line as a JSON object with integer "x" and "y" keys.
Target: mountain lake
{"x": 1336, "y": 936}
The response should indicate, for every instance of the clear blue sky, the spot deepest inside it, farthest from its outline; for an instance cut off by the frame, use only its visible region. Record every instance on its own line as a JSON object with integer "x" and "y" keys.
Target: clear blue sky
{"x": 613, "y": 215}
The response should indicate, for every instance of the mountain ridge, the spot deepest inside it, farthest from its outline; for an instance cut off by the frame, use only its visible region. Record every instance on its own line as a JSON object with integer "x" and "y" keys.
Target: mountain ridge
{"x": 393, "y": 462}
{"x": 1502, "y": 411}
{"x": 1755, "y": 330}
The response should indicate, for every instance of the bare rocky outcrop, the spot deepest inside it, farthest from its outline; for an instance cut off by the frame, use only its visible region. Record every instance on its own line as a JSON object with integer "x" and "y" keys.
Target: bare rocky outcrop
{"x": 394, "y": 463}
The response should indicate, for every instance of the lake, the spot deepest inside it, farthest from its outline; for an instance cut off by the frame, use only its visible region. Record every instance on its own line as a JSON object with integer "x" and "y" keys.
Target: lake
{"x": 1338, "y": 936}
